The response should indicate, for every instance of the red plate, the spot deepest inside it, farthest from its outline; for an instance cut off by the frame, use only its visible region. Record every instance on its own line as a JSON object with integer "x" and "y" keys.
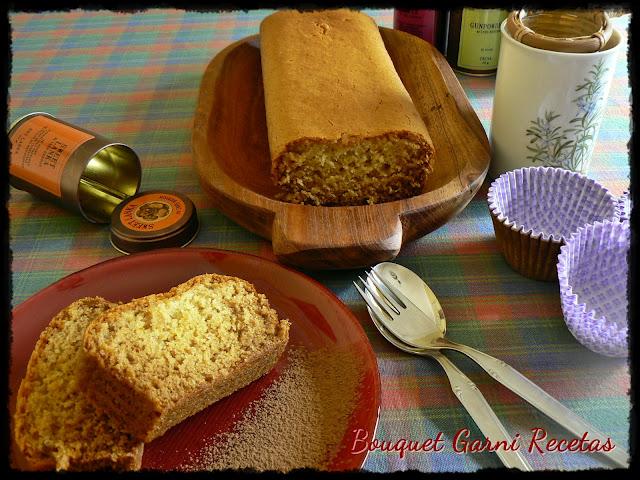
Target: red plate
{"x": 318, "y": 319}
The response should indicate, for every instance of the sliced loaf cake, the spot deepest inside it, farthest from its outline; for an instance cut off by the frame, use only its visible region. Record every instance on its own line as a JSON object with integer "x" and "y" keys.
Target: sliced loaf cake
{"x": 161, "y": 358}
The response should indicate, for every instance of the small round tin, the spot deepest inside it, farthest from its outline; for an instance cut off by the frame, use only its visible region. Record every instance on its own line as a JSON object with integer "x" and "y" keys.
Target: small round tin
{"x": 153, "y": 219}
{"x": 71, "y": 166}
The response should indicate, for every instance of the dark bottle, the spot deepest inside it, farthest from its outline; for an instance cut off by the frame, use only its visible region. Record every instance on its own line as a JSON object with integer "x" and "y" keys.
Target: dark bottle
{"x": 430, "y": 25}
{"x": 473, "y": 40}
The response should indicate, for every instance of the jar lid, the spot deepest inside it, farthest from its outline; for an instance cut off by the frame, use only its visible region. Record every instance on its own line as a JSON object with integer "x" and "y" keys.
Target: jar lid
{"x": 571, "y": 31}
{"x": 154, "y": 219}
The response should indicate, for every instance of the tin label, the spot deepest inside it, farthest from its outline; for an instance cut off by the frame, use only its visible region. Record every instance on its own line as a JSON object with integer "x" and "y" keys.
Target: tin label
{"x": 152, "y": 212}
{"x": 480, "y": 38}
{"x": 40, "y": 149}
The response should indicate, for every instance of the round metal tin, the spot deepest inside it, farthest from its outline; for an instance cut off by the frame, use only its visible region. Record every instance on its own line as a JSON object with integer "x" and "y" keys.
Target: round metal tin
{"x": 71, "y": 166}
{"x": 153, "y": 219}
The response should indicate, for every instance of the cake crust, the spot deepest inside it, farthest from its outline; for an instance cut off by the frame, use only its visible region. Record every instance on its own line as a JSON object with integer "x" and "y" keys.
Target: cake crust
{"x": 162, "y": 358}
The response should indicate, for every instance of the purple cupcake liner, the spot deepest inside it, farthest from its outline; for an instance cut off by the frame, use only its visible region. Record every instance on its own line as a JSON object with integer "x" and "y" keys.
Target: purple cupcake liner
{"x": 534, "y": 211}
{"x": 549, "y": 203}
{"x": 592, "y": 271}
{"x": 623, "y": 206}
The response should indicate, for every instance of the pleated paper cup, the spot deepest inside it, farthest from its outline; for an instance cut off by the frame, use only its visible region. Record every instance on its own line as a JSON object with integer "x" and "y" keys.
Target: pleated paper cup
{"x": 593, "y": 272}
{"x": 623, "y": 206}
{"x": 535, "y": 209}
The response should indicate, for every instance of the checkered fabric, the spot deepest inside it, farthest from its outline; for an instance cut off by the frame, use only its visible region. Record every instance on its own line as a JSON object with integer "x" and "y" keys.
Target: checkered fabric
{"x": 134, "y": 78}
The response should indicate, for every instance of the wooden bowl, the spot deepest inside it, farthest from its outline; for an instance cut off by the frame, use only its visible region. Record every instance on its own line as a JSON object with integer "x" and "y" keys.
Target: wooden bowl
{"x": 231, "y": 157}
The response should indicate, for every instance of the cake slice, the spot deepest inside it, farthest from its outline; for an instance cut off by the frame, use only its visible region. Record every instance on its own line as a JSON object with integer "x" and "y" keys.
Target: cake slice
{"x": 342, "y": 127}
{"x": 56, "y": 426}
{"x": 161, "y": 358}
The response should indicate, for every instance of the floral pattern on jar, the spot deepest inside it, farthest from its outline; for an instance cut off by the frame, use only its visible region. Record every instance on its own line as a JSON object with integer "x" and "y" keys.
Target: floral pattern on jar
{"x": 568, "y": 147}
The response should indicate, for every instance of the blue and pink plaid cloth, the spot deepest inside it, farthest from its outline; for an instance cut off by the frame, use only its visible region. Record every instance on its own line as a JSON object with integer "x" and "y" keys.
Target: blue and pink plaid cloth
{"x": 134, "y": 77}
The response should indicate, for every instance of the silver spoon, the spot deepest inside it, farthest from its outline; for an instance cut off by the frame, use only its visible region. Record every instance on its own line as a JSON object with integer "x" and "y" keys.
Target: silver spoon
{"x": 471, "y": 398}
{"x": 425, "y": 327}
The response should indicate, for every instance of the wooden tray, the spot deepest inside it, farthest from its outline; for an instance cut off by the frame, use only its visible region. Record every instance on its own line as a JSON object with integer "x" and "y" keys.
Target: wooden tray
{"x": 231, "y": 157}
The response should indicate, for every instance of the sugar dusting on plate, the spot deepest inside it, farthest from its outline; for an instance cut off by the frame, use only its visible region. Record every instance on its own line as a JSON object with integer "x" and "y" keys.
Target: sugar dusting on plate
{"x": 299, "y": 421}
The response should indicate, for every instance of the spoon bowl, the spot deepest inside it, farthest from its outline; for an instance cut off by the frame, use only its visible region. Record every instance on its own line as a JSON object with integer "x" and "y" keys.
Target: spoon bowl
{"x": 417, "y": 291}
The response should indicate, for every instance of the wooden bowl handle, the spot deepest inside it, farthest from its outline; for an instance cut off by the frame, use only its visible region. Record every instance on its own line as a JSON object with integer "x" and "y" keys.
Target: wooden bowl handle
{"x": 332, "y": 238}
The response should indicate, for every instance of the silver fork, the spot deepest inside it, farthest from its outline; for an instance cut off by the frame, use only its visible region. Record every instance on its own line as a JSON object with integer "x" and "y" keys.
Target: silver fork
{"x": 465, "y": 390}
{"x": 409, "y": 323}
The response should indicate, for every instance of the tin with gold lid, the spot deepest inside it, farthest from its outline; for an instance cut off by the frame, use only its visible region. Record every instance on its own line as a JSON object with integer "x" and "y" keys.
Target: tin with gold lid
{"x": 98, "y": 178}
{"x": 153, "y": 219}
{"x": 71, "y": 166}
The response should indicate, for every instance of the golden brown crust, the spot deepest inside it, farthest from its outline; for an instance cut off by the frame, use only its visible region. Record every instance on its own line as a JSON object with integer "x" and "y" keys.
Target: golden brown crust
{"x": 327, "y": 73}
{"x": 148, "y": 401}
{"x": 55, "y": 425}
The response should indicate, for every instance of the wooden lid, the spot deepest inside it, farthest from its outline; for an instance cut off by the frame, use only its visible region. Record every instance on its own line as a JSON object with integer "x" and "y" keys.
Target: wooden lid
{"x": 571, "y": 31}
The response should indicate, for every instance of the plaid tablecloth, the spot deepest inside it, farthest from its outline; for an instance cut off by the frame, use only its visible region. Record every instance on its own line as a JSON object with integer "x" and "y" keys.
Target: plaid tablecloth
{"x": 134, "y": 77}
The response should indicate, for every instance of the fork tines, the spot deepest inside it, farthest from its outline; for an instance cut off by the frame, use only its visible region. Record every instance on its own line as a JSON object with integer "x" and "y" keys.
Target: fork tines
{"x": 379, "y": 296}
{"x": 387, "y": 291}
{"x": 372, "y": 300}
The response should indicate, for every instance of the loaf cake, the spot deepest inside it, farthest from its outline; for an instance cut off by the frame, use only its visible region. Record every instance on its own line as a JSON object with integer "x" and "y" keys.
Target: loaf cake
{"x": 342, "y": 127}
{"x": 56, "y": 426}
{"x": 161, "y": 358}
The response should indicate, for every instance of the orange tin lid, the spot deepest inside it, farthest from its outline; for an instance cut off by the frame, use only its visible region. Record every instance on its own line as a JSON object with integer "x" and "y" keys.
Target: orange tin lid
{"x": 153, "y": 219}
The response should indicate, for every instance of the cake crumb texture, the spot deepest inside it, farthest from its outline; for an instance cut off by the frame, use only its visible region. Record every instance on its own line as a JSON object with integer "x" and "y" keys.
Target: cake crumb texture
{"x": 343, "y": 129}
{"x": 161, "y": 358}
{"x": 298, "y": 422}
{"x": 56, "y": 426}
